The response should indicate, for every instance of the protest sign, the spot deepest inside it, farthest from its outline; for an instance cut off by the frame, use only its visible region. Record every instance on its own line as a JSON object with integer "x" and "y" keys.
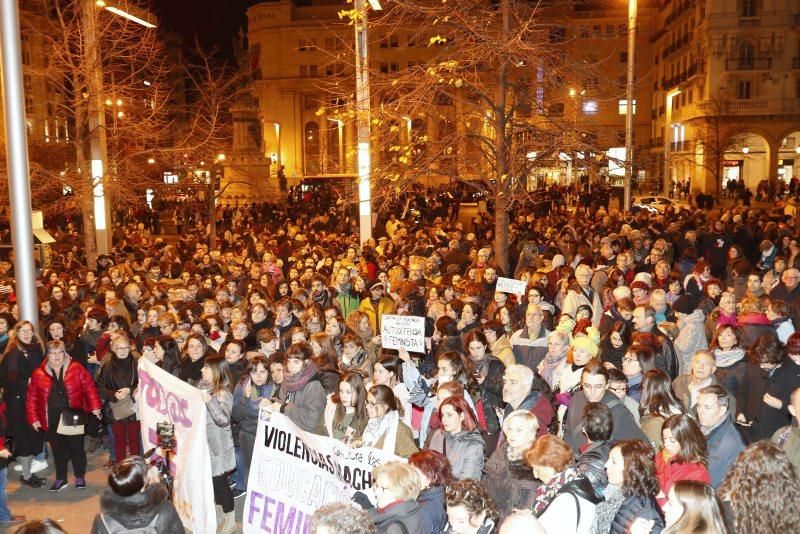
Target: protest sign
{"x": 403, "y": 332}
{"x": 509, "y": 285}
{"x": 165, "y": 398}
{"x": 294, "y": 472}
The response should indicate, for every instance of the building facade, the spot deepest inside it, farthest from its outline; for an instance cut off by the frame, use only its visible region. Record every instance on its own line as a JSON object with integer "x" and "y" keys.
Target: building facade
{"x": 706, "y": 70}
{"x": 727, "y": 82}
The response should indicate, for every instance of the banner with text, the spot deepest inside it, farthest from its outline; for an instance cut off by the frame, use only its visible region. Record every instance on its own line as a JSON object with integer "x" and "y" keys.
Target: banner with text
{"x": 403, "y": 332}
{"x": 510, "y": 285}
{"x": 293, "y": 473}
{"x": 165, "y": 398}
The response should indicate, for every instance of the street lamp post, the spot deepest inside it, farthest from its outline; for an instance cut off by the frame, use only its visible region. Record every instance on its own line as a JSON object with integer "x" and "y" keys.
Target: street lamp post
{"x": 632, "y": 8}
{"x": 17, "y": 150}
{"x": 667, "y": 126}
{"x": 98, "y": 144}
{"x": 363, "y": 118}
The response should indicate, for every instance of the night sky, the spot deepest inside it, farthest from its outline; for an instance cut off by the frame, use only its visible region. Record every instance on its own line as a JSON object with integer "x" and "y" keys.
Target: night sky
{"x": 213, "y": 22}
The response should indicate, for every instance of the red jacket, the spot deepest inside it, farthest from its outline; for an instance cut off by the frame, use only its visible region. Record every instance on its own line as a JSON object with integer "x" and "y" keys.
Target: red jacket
{"x": 81, "y": 391}
{"x": 668, "y": 473}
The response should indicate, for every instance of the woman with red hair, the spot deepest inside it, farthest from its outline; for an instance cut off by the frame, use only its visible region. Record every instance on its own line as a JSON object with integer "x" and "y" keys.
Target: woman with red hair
{"x": 463, "y": 444}
{"x": 434, "y": 472}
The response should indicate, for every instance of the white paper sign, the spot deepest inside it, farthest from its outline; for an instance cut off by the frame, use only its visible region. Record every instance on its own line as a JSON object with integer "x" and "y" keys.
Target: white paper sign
{"x": 294, "y": 472}
{"x": 165, "y": 398}
{"x": 509, "y": 285}
{"x": 403, "y": 332}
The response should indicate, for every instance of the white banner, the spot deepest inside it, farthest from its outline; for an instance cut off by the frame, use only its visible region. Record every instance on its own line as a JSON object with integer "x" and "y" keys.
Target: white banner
{"x": 403, "y": 332}
{"x": 510, "y": 285}
{"x": 164, "y": 398}
{"x": 294, "y": 472}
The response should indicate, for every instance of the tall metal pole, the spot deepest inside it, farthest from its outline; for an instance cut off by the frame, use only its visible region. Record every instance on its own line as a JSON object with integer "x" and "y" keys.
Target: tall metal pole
{"x": 629, "y": 102}
{"x": 98, "y": 146}
{"x": 363, "y": 123}
{"x": 17, "y": 153}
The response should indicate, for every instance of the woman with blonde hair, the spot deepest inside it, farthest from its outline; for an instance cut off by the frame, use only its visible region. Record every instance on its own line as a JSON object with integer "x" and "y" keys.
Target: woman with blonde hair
{"x": 509, "y": 480}
{"x": 397, "y": 486}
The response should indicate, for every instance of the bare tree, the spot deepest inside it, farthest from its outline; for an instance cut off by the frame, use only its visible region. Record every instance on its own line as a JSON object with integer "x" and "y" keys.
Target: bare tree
{"x": 161, "y": 112}
{"x": 713, "y": 135}
{"x": 488, "y": 103}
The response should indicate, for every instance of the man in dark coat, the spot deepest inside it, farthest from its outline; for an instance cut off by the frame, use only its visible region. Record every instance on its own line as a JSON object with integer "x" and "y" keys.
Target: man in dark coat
{"x": 594, "y": 380}
{"x": 724, "y": 441}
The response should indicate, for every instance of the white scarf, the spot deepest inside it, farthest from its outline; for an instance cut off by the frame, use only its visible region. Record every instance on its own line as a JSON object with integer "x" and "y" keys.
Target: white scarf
{"x": 385, "y": 426}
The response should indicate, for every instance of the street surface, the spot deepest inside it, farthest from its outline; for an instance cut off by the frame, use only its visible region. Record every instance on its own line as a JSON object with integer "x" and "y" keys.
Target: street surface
{"x": 74, "y": 510}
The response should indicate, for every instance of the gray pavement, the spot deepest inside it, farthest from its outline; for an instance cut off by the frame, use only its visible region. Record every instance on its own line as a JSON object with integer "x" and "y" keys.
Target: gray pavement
{"x": 74, "y": 510}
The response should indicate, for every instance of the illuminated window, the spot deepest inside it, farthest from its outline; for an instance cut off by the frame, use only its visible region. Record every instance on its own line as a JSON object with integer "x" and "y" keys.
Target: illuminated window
{"x": 623, "y": 107}
{"x": 590, "y": 107}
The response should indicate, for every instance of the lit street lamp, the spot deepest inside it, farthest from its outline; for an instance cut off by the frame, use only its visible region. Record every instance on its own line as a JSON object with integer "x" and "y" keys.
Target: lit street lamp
{"x": 363, "y": 118}
{"x": 632, "y": 7}
{"x": 98, "y": 144}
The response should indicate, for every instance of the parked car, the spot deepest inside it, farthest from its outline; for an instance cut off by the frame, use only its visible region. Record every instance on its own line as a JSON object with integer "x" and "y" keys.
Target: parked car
{"x": 655, "y": 204}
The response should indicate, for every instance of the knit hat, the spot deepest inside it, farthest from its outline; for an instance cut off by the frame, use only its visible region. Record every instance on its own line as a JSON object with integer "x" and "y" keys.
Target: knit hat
{"x": 565, "y": 324}
{"x": 683, "y": 305}
{"x": 644, "y": 277}
{"x": 586, "y": 343}
{"x": 621, "y": 292}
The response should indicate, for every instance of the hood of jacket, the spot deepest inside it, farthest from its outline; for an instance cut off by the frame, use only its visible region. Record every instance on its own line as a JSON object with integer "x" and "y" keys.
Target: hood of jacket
{"x": 137, "y": 510}
{"x": 696, "y": 317}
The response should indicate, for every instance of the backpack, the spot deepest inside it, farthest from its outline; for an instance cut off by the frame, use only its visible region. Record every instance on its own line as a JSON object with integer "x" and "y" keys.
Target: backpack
{"x": 114, "y": 527}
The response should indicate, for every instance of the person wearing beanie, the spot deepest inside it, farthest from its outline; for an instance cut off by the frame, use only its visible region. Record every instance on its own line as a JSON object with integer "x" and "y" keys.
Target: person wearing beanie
{"x": 583, "y": 349}
{"x": 692, "y": 334}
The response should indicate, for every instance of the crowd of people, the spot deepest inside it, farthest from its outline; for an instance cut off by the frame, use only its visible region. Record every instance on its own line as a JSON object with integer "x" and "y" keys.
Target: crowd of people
{"x": 647, "y": 380}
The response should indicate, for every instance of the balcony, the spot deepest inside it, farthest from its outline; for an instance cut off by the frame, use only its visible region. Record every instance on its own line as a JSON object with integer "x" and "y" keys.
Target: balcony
{"x": 746, "y": 63}
{"x": 749, "y": 22}
{"x": 682, "y": 146}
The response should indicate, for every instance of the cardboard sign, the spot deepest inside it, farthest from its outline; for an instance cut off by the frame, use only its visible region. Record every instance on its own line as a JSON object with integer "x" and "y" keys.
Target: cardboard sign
{"x": 509, "y": 285}
{"x": 403, "y": 332}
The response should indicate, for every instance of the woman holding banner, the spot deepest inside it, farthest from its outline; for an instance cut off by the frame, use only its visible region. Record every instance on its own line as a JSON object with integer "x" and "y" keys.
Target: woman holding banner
{"x": 214, "y": 382}
{"x": 384, "y": 429}
{"x": 301, "y": 396}
{"x": 250, "y": 395}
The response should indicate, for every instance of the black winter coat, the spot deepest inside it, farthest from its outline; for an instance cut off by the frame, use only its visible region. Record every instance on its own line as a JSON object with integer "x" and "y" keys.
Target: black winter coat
{"x": 117, "y": 374}
{"x": 511, "y": 484}
{"x": 138, "y": 510}
{"x": 784, "y": 380}
{"x": 633, "y": 507}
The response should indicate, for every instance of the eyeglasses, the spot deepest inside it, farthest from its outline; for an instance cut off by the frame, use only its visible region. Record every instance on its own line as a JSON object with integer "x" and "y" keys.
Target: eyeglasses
{"x": 595, "y": 387}
{"x": 122, "y": 348}
{"x": 629, "y": 360}
{"x": 619, "y": 389}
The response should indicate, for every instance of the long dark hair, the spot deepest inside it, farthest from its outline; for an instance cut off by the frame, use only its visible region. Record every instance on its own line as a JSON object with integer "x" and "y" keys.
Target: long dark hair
{"x": 172, "y": 353}
{"x": 639, "y": 470}
{"x": 657, "y": 396}
{"x": 356, "y": 382}
{"x": 687, "y": 433}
